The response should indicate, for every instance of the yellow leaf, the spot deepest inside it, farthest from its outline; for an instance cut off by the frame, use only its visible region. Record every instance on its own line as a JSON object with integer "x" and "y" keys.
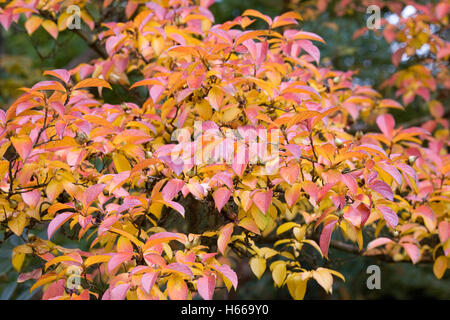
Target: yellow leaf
{"x": 297, "y": 286}
{"x": 51, "y": 28}
{"x": 58, "y": 260}
{"x": 17, "y": 261}
{"x": 286, "y": 226}
{"x": 17, "y": 223}
{"x": 324, "y": 278}
{"x": 279, "y": 273}
{"x": 92, "y": 82}
{"x": 439, "y": 267}
{"x": 96, "y": 259}
{"x": 43, "y": 280}
{"x": 258, "y": 266}
{"x": 121, "y": 162}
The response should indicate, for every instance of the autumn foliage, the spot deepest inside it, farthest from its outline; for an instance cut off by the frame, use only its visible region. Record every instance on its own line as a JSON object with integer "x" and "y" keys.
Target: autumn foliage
{"x": 241, "y": 128}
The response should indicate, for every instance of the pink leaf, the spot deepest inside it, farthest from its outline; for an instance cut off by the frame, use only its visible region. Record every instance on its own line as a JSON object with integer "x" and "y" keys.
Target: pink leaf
{"x": 221, "y": 197}
{"x": 179, "y": 267}
{"x": 118, "y": 259}
{"x": 325, "y": 236}
{"x": 148, "y": 280}
{"x": 386, "y": 123}
{"x": 389, "y": 215}
{"x": 413, "y": 251}
{"x": 91, "y": 194}
{"x": 226, "y": 271}
{"x": 378, "y": 242}
{"x": 224, "y": 237}
{"x": 205, "y": 286}
{"x": 58, "y": 221}
{"x": 119, "y": 292}
{"x": 262, "y": 200}
{"x": 171, "y": 189}
{"x": 350, "y": 182}
{"x": 382, "y": 188}
{"x": 31, "y": 198}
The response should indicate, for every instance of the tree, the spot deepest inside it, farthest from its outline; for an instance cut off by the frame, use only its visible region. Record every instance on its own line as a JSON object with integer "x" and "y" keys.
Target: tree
{"x": 188, "y": 146}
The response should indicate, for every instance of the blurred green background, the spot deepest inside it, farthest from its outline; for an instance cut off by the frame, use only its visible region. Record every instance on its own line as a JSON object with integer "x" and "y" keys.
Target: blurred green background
{"x": 23, "y": 58}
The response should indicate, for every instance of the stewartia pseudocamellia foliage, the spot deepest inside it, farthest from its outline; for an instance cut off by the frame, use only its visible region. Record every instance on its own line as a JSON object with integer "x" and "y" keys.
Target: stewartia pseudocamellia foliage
{"x": 240, "y": 149}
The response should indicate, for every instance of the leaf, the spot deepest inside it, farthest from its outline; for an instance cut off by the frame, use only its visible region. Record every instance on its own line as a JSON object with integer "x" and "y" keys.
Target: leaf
{"x": 439, "y": 266}
{"x": 58, "y": 260}
{"x": 177, "y": 288}
{"x": 92, "y": 82}
{"x": 148, "y": 280}
{"x": 57, "y": 222}
{"x": 221, "y": 197}
{"x": 382, "y": 188}
{"x": 389, "y": 103}
{"x": 303, "y": 35}
{"x": 205, "y": 286}
{"x": 286, "y": 226}
{"x": 23, "y": 146}
{"x": 224, "y": 237}
{"x": 262, "y": 200}
{"x": 229, "y": 276}
{"x": 254, "y": 13}
{"x": 378, "y": 242}
{"x": 325, "y": 236}
{"x": 386, "y": 123}
{"x": 279, "y": 274}
{"x": 119, "y": 292}
{"x": 43, "y": 280}
{"x": 32, "y": 24}
{"x": 413, "y": 251}
{"x": 389, "y": 215}
{"x": 18, "y": 223}
{"x": 258, "y": 266}
{"x": 296, "y": 286}
{"x": 91, "y": 194}
{"x": 324, "y": 278}
{"x": 121, "y": 162}
{"x": 96, "y": 259}
{"x": 51, "y": 28}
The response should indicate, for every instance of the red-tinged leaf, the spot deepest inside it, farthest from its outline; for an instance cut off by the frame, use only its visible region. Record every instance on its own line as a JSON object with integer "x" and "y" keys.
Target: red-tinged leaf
{"x": 303, "y": 35}
{"x": 290, "y": 174}
{"x": 357, "y": 216}
{"x": 32, "y": 198}
{"x": 382, "y": 188}
{"x": 311, "y": 49}
{"x": 162, "y": 237}
{"x": 224, "y": 237}
{"x": 389, "y": 215}
{"x": 249, "y": 224}
{"x": 295, "y": 150}
{"x": 177, "y": 288}
{"x": 254, "y": 13}
{"x": 292, "y": 194}
{"x": 221, "y": 197}
{"x": 386, "y": 123}
{"x": 58, "y": 221}
{"x": 51, "y": 28}
{"x": 148, "y": 280}
{"x": 179, "y": 268}
{"x": 205, "y": 286}
{"x": 32, "y": 24}
{"x": 428, "y": 217}
{"x": 444, "y": 231}
{"x": 389, "y": 103}
{"x": 91, "y": 194}
{"x": 247, "y": 35}
{"x": 23, "y": 145}
{"x": 171, "y": 189}
{"x": 119, "y": 292}
{"x": 325, "y": 236}
{"x": 378, "y": 242}
{"x": 147, "y": 82}
{"x": 413, "y": 251}
{"x": 392, "y": 171}
{"x": 61, "y": 74}
{"x": 117, "y": 259}
{"x": 92, "y": 82}
{"x": 226, "y": 272}
{"x": 350, "y": 182}
{"x": 35, "y": 274}
{"x": 262, "y": 200}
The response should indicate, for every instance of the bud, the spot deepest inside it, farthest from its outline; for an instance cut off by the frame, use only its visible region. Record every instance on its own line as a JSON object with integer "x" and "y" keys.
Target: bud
{"x": 13, "y": 204}
{"x": 338, "y": 142}
{"x": 148, "y": 154}
{"x": 411, "y": 160}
